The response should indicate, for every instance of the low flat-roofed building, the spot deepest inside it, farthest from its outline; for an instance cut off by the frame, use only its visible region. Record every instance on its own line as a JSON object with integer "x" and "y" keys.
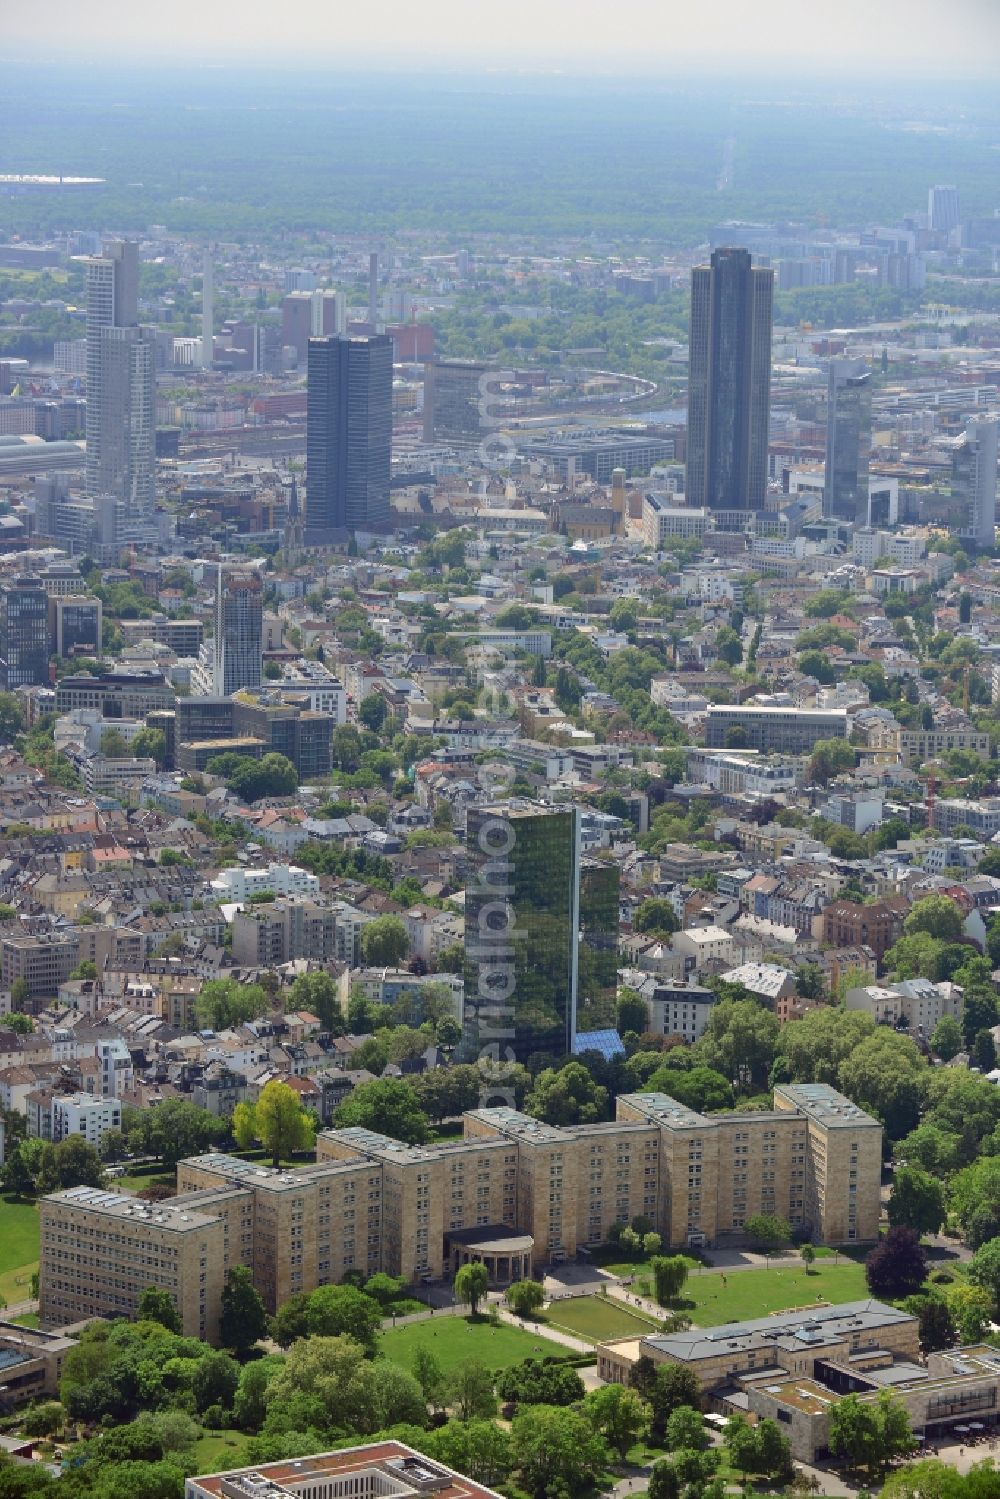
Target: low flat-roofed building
{"x": 380, "y": 1470}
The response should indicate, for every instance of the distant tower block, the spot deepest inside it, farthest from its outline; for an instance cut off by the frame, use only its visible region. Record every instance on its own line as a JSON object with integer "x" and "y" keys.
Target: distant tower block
{"x": 207, "y": 313}
{"x": 619, "y": 497}
{"x": 373, "y": 291}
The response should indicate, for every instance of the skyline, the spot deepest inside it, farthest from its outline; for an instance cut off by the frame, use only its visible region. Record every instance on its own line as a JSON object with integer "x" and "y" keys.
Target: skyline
{"x": 892, "y": 39}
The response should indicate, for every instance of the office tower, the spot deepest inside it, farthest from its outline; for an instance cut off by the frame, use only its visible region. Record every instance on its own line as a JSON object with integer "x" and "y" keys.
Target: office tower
{"x": 597, "y": 960}
{"x": 239, "y": 628}
{"x": 848, "y": 441}
{"x": 75, "y": 623}
{"x": 348, "y": 435}
{"x": 121, "y": 384}
{"x": 24, "y": 633}
{"x": 457, "y": 396}
{"x": 729, "y": 383}
{"x": 329, "y": 313}
{"x": 207, "y": 313}
{"x": 974, "y": 482}
{"x": 522, "y": 925}
{"x": 942, "y": 209}
{"x": 296, "y": 322}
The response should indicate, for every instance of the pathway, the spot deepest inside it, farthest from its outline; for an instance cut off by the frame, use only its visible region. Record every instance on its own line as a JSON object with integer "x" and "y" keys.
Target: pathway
{"x": 547, "y": 1334}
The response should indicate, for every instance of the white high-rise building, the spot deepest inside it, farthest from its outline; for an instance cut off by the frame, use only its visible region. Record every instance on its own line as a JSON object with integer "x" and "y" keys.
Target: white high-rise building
{"x": 121, "y": 387}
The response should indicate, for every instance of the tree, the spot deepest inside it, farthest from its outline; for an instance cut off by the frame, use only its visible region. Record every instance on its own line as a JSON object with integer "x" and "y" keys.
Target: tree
{"x": 946, "y": 1039}
{"x": 74, "y": 1162}
{"x": 291, "y": 1321}
{"x": 870, "y": 1435}
{"x": 884, "y": 1075}
{"x": 829, "y": 757}
{"x": 971, "y": 1309}
{"x": 471, "y": 1283}
{"x": 632, "y": 1012}
{"x": 555, "y": 1451}
{"x": 807, "y": 1255}
{"x": 479, "y": 1449}
{"x": 20, "y": 993}
{"x": 937, "y": 915}
{"x": 384, "y": 942}
{"x": 244, "y": 1319}
{"x": 811, "y": 1050}
{"x": 215, "y": 1382}
{"x": 699, "y": 1088}
{"x": 984, "y": 1268}
{"x": 897, "y": 1266}
{"x": 150, "y": 744}
{"x": 656, "y": 916}
{"x": 470, "y": 1390}
{"x": 223, "y": 1003}
{"x": 317, "y": 993}
{"x": 429, "y": 1375}
{"x": 567, "y": 1095}
{"x": 281, "y": 1124}
{"x": 663, "y": 1480}
{"x": 250, "y": 1400}
{"x": 740, "y": 1040}
{"x": 669, "y": 1274}
{"x": 766, "y": 1231}
{"x": 672, "y": 1385}
{"x": 740, "y": 1442}
{"x": 372, "y": 711}
{"x": 157, "y": 1305}
{"x": 936, "y": 1324}
{"x": 11, "y": 717}
{"x": 389, "y": 1105}
{"x": 336, "y": 1311}
{"x": 917, "y": 1200}
{"x": 537, "y": 1381}
{"x": 685, "y": 1431}
{"x": 526, "y": 1297}
{"x": 619, "y": 1414}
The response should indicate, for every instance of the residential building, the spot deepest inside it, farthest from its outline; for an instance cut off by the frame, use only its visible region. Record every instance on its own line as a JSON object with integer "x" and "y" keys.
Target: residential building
{"x": 981, "y": 817}
{"x": 847, "y": 923}
{"x": 729, "y": 376}
{"x": 661, "y": 519}
{"x": 348, "y": 435}
{"x": 914, "y": 1005}
{"x": 848, "y": 441}
{"x": 232, "y": 659}
{"x": 279, "y": 931}
{"x": 680, "y": 1009}
{"x": 80, "y": 1115}
{"x": 240, "y": 883}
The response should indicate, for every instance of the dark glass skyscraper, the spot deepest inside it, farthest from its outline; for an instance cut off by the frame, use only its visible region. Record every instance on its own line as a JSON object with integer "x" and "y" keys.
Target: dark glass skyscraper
{"x": 848, "y": 441}
{"x": 597, "y": 963}
{"x": 24, "y": 633}
{"x": 522, "y": 920}
{"x": 729, "y": 383}
{"x": 348, "y": 435}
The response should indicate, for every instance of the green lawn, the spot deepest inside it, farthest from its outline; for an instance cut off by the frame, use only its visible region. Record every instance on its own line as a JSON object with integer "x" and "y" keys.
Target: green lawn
{"x": 597, "y": 1318}
{"x": 18, "y": 1248}
{"x": 453, "y": 1340}
{"x": 138, "y": 1178}
{"x": 215, "y": 1451}
{"x": 26, "y": 1319}
{"x": 757, "y": 1293}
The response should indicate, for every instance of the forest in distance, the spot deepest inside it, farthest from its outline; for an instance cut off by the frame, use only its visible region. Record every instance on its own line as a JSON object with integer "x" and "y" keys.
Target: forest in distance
{"x": 614, "y": 163}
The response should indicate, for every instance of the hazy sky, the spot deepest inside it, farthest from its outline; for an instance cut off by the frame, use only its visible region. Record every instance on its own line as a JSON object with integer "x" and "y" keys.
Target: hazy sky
{"x": 843, "y": 36}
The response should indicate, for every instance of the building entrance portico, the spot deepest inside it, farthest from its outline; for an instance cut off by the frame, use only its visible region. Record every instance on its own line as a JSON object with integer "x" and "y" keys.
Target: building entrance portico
{"x": 506, "y": 1255}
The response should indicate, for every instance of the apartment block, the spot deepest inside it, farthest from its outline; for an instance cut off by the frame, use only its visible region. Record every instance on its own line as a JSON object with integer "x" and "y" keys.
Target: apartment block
{"x": 846, "y": 923}
{"x": 279, "y": 931}
{"x": 779, "y": 730}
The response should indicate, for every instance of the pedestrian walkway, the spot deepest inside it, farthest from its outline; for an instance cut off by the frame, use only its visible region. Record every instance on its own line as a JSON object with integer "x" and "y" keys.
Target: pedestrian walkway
{"x": 547, "y": 1334}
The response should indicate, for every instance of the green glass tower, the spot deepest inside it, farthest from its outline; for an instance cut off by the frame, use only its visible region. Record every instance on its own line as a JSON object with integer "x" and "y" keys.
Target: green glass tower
{"x": 541, "y": 932}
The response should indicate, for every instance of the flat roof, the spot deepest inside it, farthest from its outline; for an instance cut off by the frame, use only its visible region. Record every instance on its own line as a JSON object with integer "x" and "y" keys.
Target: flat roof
{"x": 167, "y": 1215}
{"x": 404, "y": 1471}
{"x": 813, "y": 1328}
